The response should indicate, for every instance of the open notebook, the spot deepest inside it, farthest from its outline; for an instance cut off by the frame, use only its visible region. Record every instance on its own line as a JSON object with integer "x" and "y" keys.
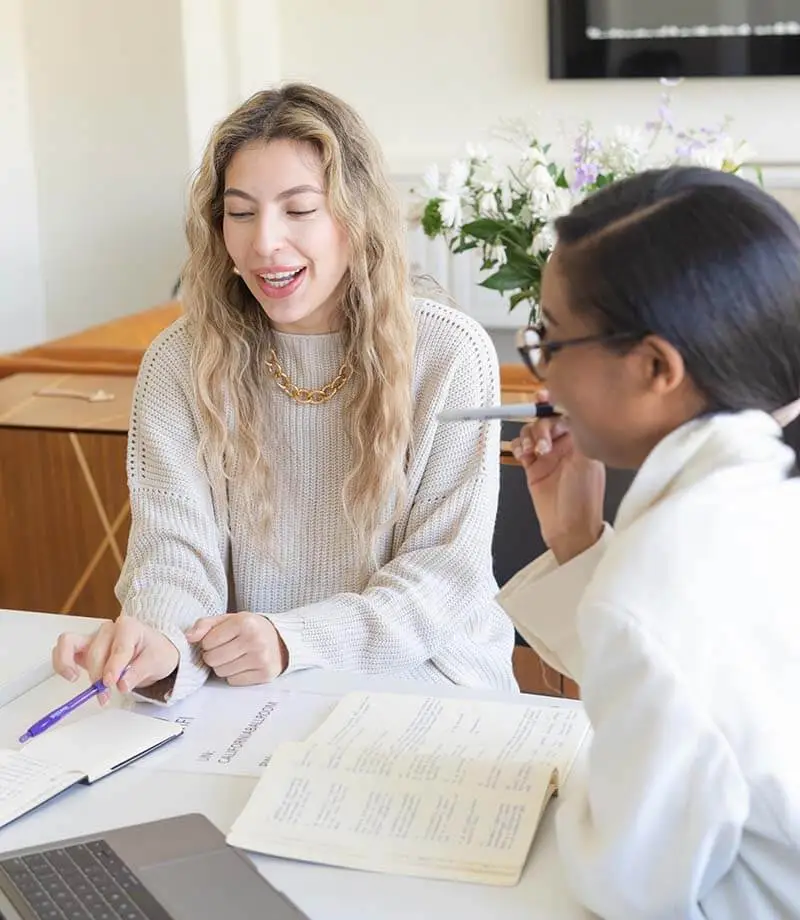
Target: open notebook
{"x": 81, "y": 752}
{"x": 440, "y": 788}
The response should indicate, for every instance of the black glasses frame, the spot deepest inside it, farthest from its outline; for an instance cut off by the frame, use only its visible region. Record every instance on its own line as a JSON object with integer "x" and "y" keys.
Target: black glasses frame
{"x": 538, "y": 353}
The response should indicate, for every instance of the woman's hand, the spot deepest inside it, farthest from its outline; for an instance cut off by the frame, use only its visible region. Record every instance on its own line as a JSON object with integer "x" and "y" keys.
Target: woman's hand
{"x": 144, "y": 654}
{"x": 242, "y": 648}
{"x": 566, "y": 487}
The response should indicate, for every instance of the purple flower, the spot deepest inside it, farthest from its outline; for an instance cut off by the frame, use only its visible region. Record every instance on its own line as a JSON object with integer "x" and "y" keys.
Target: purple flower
{"x": 586, "y": 173}
{"x": 587, "y": 167}
{"x": 665, "y": 113}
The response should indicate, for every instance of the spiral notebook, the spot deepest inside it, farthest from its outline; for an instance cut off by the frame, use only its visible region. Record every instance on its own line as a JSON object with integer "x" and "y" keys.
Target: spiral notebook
{"x": 83, "y": 751}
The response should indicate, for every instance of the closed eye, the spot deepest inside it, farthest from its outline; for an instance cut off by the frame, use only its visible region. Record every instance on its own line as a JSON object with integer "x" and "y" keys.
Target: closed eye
{"x": 240, "y": 214}
{"x": 302, "y": 213}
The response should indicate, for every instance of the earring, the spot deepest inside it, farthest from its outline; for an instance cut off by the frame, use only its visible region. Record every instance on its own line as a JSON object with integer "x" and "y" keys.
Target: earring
{"x": 236, "y": 271}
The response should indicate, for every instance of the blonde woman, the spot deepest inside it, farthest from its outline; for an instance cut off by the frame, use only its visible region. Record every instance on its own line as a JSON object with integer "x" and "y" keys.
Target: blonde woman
{"x": 294, "y": 502}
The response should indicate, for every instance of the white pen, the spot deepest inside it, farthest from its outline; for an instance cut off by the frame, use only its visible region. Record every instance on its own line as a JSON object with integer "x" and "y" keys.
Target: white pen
{"x": 510, "y": 412}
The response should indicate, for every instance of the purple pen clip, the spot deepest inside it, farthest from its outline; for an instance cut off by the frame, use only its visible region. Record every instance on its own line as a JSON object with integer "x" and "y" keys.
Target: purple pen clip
{"x": 47, "y": 721}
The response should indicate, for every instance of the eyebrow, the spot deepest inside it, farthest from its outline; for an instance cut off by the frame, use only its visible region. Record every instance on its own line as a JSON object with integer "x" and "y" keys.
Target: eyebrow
{"x": 287, "y": 193}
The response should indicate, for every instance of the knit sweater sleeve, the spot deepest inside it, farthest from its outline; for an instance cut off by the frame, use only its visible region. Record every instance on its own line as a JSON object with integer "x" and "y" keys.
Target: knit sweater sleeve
{"x": 174, "y": 570}
{"x": 440, "y": 572}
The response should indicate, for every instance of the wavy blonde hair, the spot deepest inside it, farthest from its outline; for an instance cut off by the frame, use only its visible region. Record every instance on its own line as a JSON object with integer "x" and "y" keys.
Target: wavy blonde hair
{"x": 231, "y": 334}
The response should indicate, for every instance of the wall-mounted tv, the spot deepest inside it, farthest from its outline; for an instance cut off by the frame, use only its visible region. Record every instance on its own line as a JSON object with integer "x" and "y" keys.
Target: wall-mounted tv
{"x": 592, "y": 39}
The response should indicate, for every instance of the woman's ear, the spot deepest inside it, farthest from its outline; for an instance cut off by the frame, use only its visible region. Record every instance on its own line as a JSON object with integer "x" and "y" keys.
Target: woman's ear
{"x": 660, "y": 365}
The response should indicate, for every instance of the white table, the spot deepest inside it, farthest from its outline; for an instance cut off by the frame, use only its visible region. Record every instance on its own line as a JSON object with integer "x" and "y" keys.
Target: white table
{"x": 141, "y": 793}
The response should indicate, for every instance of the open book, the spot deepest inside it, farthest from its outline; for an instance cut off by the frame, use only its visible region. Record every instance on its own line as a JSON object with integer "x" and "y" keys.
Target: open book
{"x": 80, "y": 752}
{"x": 440, "y": 788}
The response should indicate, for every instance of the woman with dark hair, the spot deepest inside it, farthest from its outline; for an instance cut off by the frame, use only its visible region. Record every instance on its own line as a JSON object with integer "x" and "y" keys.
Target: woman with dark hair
{"x": 671, "y": 340}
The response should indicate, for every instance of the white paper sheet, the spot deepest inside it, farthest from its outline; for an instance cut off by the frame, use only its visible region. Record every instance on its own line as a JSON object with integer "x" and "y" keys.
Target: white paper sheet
{"x": 234, "y": 730}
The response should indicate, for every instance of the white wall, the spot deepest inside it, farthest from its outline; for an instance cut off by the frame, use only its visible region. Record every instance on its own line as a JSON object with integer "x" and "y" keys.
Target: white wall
{"x": 230, "y": 50}
{"x": 430, "y": 75}
{"x": 106, "y": 107}
{"x": 108, "y": 113}
{"x": 22, "y": 319}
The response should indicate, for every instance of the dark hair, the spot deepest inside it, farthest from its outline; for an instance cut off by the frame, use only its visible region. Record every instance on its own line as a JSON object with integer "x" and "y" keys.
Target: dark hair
{"x": 706, "y": 260}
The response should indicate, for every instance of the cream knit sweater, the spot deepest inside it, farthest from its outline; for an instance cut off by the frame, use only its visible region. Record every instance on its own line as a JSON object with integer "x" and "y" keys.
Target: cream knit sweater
{"x": 426, "y": 612}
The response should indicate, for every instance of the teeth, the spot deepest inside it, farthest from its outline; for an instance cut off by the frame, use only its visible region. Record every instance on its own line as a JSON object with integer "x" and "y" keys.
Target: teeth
{"x": 280, "y": 279}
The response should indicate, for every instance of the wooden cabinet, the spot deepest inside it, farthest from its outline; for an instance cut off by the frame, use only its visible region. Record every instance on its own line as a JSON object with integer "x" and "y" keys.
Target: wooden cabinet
{"x": 65, "y": 512}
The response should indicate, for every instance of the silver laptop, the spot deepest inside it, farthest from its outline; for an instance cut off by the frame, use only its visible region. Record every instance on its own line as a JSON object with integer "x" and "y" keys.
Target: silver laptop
{"x": 172, "y": 869}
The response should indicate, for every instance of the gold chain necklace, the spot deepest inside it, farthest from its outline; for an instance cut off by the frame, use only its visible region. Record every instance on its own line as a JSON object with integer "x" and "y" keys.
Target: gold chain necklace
{"x": 301, "y": 394}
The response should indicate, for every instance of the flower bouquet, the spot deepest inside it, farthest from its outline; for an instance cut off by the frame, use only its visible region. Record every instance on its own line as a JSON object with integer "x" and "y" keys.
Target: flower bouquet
{"x": 505, "y": 204}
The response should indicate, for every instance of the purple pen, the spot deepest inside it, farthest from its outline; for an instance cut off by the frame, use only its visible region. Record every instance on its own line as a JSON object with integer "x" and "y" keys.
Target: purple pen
{"x": 65, "y": 709}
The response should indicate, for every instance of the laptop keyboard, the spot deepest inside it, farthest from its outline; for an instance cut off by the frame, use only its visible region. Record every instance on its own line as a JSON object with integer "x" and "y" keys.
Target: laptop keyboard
{"x": 86, "y": 881}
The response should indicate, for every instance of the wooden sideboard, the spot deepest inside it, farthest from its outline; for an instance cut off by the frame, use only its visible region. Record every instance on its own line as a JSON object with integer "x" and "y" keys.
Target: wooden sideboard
{"x": 65, "y": 511}
{"x": 65, "y": 506}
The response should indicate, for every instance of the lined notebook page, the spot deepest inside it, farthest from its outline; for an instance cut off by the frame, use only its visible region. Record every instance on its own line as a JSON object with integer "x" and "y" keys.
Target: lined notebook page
{"x": 26, "y": 782}
{"x": 413, "y": 785}
{"x": 484, "y": 732}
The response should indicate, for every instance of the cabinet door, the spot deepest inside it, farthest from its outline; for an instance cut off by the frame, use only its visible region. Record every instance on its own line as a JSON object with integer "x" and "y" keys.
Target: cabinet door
{"x": 64, "y": 522}
{"x": 534, "y": 676}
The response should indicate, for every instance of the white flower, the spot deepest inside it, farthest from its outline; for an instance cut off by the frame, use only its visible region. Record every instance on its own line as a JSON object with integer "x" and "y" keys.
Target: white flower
{"x": 623, "y": 153}
{"x": 721, "y": 153}
{"x": 540, "y": 186}
{"x": 506, "y": 195}
{"x": 451, "y": 195}
{"x": 540, "y": 180}
{"x": 545, "y": 240}
{"x": 532, "y": 155}
{"x": 456, "y": 181}
{"x": 477, "y": 152}
{"x": 711, "y": 156}
{"x": 486, "y": 175}
{"x": 451, "y": 210}
{"x": 560, "y": 203}
{"x": 487, "y": 205}
{"x": 497, "y": 254}
{"x": 735, "y": 153}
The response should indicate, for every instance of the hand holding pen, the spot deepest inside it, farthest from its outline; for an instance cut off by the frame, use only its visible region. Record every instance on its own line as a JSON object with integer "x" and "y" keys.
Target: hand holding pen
{"x": 127, "y": 646}
{"x": 56, "y": 715}
{"x": 566, "y": 487}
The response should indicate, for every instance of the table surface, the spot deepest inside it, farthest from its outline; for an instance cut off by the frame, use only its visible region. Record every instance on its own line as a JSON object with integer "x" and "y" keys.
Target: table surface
{"x": 141, "y": 793}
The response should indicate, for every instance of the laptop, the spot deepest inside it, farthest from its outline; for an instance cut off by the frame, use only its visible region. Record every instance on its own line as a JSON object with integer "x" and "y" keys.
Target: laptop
{"x": 172, "y": 869}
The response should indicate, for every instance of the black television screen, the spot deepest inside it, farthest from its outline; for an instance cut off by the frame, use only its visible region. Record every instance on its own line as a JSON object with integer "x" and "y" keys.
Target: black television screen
{"x": 592, "y": 39}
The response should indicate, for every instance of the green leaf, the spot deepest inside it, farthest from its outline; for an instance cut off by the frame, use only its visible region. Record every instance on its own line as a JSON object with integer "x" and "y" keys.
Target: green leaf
{"x": 515, "y": 235}
{"x": 506, "y": 278}
{"x": 604, "y": 179}
{"x": 485, "y": 229}
{"x": 432, "y": 219}
{"x": 521, "y": 260}
{"x": 519, "y": 297}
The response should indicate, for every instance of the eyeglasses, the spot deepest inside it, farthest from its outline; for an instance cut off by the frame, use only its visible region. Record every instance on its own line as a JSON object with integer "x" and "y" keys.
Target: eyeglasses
{"x": 536, "y": 353}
